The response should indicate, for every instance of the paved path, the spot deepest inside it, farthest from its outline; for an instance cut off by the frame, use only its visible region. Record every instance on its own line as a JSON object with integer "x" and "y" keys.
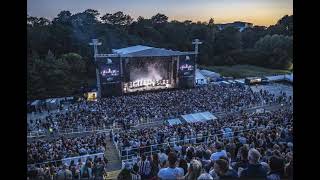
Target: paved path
{"x": 114, "y": 162}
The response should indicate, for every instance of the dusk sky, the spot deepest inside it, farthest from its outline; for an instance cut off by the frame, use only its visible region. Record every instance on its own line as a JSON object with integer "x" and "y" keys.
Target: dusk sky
{"x": 258, "y": 12}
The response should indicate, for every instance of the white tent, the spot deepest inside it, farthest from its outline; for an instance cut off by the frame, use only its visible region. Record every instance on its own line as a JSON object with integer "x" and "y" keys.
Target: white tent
{"x": 174, "y": 121}
{"x": 225, "y": 82}
{"x": 200, "y": 79}
{"x": 198, "y": 117}
{"x": 213, "y": 76}
{"x": 241, "y": 81}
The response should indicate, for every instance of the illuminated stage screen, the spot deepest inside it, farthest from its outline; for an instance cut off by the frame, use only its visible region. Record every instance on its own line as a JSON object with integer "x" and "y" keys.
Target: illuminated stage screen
{"x": 144, "y": 74}
{"x": 109, "y": 70}
{"x": 186, "y": 66}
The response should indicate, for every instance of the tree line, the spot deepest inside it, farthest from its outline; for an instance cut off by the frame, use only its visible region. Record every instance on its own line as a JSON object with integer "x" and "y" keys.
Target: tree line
{"x": 60, "y": 59}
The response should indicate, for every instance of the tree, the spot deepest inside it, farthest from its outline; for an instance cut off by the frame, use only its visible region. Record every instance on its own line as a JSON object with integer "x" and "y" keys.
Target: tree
{"x": 270, "y": 43}
{"x": 159, "y": 19}
{"x": 36, "y": 22}
{"x": 211, "y": 22}
{"x": 64, "y": 17}
{"x": 75, "y": 62}
{"x": 228, "y": 39}
{"x": 284, "y": 26}
{"x": 279, "y": 48}
{"x": 251, "y": 35}
{"x": 117, "y": 18}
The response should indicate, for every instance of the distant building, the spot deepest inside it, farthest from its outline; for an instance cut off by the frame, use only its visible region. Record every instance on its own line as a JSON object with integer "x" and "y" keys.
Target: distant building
{"x": 237, "y": 24}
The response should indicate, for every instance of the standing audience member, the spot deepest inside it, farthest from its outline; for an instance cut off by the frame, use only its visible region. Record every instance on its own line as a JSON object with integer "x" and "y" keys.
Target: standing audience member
{"x": 221, "y": 168}
{"x": 276, "y": 165}
{"x": 254, "y": 169}
{"x": 64, "y": 173}
{"x": 194, "y": 170}
{"x": 171, "y": 172}
{"x": 219, "y": 152}
{"x": 155, "y": 166}
{"x": 135, "y": 172}
{"x": 144, "y": 167}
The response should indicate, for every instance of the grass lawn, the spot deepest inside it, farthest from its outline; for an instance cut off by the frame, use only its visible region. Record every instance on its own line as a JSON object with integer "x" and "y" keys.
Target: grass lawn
{"x": 241, "y": 71}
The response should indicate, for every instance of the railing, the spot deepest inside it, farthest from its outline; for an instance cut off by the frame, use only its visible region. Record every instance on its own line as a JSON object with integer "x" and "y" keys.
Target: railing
{"x": 36, "y": 134}
{"x": 197, "y": 139}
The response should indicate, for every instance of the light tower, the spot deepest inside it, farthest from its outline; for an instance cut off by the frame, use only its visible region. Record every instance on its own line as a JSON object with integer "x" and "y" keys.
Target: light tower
{"x": 196, "y": 43}
{"x": 95, "y": 45}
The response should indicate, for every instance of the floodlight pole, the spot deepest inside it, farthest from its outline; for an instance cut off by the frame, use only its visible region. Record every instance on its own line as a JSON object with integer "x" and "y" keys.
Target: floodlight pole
{"x": 95, "y": 45}
{"x": 196, "y": 43}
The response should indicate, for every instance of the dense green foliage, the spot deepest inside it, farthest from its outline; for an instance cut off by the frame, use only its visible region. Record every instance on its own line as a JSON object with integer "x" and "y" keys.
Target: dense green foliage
{"x": 60, "y": 59}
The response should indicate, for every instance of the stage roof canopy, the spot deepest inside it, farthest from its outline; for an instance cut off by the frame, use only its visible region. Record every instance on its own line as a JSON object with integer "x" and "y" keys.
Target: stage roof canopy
{"x": 140, "y": 51}
{"x": 198, "y": 117}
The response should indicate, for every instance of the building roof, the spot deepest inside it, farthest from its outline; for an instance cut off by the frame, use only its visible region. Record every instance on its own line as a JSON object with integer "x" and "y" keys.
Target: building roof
{"x": 140, "y": 51}
{"x": 130, "y": 49}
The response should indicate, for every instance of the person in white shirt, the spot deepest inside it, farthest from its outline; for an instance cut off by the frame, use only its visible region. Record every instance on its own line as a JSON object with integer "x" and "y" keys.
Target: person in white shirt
{"x": 205, "y": 175}
{"x": 219, "y": 153}
{"x": 171, "y": 172}
{"x": 144, "y": 167}
{"x": 162, "y": 157}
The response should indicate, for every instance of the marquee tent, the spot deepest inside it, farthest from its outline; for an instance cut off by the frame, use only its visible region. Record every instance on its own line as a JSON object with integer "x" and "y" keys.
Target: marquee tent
{"x": 198, "y": 117}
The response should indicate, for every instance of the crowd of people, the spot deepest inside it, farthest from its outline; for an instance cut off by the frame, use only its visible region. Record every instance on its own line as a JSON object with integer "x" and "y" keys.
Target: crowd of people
{"x": 44, "y": 150}
{"x": 212, "y": 164}
{"x": 90, "y": 169}
{"x": 236, "y": 145}
{"x": 128, "y": 110}
{"x": 136, "y": 141}
{"x": 264, "y": 152}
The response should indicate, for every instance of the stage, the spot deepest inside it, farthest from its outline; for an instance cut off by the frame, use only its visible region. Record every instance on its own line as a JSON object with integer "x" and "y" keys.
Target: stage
{"x": 142, "y": 68}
